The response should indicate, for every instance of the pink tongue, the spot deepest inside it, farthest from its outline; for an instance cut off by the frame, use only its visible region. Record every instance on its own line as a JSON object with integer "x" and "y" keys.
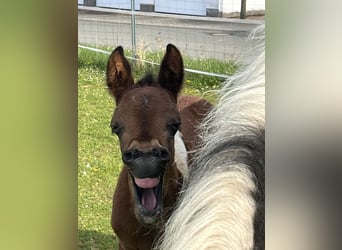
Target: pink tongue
{"x": 147, "y": 182}
{"x": 148, "y": 199}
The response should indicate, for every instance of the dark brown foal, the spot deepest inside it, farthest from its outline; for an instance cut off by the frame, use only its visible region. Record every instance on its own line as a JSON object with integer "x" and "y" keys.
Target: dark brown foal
{"x": 148, "y": 122}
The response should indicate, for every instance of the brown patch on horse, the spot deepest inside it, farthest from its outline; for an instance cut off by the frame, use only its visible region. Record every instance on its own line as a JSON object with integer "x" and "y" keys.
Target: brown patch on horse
{"x": 146, "y": 120}
{"x": 192, "y": 110}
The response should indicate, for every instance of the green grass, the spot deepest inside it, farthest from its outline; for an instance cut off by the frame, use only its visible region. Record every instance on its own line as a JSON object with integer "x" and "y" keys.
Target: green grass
{"x": 99, "y": 160}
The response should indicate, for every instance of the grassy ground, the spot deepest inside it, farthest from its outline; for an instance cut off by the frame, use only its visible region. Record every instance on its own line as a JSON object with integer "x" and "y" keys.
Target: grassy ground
{"x": 99, "y": 160}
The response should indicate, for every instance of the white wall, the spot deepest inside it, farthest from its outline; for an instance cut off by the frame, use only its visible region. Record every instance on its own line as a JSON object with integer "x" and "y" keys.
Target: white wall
{"x": 190, "y": 7}
{"x": 229, "y": 6}
{"x": 147, "y": 1}
{"x": 119, "y": 4}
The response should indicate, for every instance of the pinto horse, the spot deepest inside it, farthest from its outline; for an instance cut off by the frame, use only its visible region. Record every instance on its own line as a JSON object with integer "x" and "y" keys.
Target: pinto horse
{"x": 222, "y": 203}
{"x": 149, "y": 117}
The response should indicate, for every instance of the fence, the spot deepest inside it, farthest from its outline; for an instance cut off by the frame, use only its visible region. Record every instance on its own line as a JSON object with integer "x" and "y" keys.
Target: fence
{"x": 196, "y": 37}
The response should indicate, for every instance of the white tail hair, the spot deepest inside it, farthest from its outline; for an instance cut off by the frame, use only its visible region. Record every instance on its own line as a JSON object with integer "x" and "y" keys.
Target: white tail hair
{"x": 222, "y": 201}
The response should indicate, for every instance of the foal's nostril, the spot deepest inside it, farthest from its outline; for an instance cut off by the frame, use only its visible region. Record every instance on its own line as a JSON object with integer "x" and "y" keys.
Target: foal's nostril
{"x": 131, "y": 155}
{"x": 127, "y": 157}
{"x": 161, "y": 153}
{"x": 164, "y": 154}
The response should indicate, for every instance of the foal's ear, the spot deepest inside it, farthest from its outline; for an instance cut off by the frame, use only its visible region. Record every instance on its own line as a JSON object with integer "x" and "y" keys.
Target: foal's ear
{"x": 171, "y": 72}
{"x": 119, "y": 74}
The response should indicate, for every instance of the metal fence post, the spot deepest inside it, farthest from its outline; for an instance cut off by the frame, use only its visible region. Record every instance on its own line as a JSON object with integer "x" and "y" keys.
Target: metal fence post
{"x": 243, "y": 9}
{"x": 133, "y": 28}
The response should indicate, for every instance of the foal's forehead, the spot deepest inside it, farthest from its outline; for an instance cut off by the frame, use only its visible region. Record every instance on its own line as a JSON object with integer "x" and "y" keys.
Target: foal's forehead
{"x": 148, "y": 98}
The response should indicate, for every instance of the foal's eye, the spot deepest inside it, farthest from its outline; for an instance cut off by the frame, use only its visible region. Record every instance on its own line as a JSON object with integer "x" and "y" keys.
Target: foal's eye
{"x": 116, "y": 128}
{"x": 173, "y": 127}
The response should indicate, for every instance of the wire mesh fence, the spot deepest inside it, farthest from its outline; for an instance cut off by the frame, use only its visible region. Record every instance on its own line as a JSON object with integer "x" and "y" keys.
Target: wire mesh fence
{"x": 198, "y": 37}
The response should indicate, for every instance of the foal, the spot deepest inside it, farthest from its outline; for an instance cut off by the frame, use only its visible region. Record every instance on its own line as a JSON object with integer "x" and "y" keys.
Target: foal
{"x": 147, "y": 120}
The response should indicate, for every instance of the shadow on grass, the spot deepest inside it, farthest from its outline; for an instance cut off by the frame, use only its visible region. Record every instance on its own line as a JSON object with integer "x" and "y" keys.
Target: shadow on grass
{"x": 91, "y": 240}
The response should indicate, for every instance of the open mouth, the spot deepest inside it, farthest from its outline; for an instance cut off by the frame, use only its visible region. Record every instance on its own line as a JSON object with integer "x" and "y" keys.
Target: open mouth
{"x": 148, "y": 195}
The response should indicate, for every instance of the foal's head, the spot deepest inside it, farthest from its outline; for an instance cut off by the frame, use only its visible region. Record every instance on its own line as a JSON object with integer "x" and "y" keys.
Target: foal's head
{"x": 146, "y": 120}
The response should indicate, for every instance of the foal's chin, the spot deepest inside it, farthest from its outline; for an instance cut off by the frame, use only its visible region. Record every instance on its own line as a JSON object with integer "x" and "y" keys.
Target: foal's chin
{"x": 147, "y": 217}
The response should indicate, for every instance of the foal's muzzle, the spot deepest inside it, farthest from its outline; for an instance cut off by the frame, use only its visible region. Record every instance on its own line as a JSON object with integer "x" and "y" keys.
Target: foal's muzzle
{"x": 147, "y": 172}
{"x": 146, "y": 164}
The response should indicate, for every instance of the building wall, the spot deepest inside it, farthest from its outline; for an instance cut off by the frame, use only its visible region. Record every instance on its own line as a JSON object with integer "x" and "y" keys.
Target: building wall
{"x": 187, "y": 7}
{"x": 118, "y": 4}
{"x": 235, "y": 5}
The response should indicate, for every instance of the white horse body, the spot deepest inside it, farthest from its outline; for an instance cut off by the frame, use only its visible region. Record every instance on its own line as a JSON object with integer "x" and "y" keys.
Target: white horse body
{"x": 222, "y": 201}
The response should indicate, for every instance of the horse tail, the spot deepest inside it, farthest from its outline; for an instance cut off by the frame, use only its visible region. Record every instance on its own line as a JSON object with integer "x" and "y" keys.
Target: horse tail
{"x": 222, "y": 201}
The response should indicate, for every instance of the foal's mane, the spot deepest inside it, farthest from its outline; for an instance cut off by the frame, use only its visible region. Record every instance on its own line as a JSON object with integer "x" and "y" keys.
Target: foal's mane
{"x": 147, "y": 80}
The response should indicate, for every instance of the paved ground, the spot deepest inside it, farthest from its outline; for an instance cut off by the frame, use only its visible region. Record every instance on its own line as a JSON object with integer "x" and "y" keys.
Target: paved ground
{"x": 201, "y": 37}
